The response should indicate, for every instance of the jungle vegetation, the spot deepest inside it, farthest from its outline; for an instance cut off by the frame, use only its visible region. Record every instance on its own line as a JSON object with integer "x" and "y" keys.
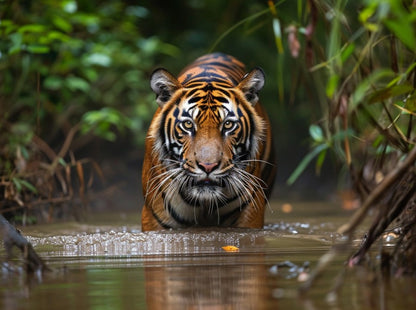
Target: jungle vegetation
{"x": 74, "y": 92}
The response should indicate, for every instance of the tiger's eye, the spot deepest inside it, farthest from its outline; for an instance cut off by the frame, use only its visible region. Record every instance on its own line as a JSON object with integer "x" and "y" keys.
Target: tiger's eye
{"x": 188, "y": 124}
{"x": 228, "y": 125}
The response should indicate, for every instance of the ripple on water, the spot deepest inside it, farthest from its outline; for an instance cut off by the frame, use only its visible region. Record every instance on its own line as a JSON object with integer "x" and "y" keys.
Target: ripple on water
{"x": 147, "y": 243}
{"x": 123, "y": 242}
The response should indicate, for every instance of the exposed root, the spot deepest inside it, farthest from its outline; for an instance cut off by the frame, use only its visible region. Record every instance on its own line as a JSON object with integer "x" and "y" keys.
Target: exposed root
{"x": 33, "y": 263}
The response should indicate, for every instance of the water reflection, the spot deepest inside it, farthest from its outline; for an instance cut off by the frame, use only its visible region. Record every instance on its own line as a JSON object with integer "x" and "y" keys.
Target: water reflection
{"x": 217, "y": 282}
{"x": 115, "y": 267}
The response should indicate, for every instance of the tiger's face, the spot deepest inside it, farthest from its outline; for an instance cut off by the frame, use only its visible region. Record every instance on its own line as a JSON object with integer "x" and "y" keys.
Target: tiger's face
{"x": 209, "y": 138}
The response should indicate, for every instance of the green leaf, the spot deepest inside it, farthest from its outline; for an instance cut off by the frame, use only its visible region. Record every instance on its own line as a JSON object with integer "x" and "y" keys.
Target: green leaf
{"x": 367, "y": 12}
{"x": 98, "y": 59}
{"x": 100, "y": 122}
{"x": 62, "y": 24}
{"x": 316, "y": 133}
{"x": 403, "y": 29}
{"x": 305, "y": 162}
{"x": 137, "y": 11}
{"x": 17, "y": 40}
{"x": 320, "y": 161}
{"x": 366, "y": 85}
{"x": 7, "y": 26}
{"x": 53, "y": 82}
{"x": 20, "y": 183}
{"x": 332, "y": 85}
{"x": 59, "y": 36}
{"x": 75, "y": 83}
{"x": 29, "y": 186}
{"x": 38, "y": 49}
{"x": 278, "y": 35}
{"x": 390, "y": 92}
{"x": 334, "y": 42}
{"x": 365, "y": 15}
{"x": 347, "y": 51}
{"x": 341, "y": 135}
{"x": 35, "y": 28}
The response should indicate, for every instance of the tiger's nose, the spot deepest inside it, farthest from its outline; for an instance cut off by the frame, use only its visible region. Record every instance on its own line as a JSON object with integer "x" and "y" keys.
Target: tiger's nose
{"x": 207, "y": 167}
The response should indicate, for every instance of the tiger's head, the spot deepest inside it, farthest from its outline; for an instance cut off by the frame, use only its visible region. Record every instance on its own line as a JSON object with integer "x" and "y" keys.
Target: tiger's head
{"x": 207, "y": 135}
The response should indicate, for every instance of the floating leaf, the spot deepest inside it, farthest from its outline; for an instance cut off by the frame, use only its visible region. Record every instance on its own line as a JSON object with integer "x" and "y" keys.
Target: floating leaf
{"x": 230, "y": 248}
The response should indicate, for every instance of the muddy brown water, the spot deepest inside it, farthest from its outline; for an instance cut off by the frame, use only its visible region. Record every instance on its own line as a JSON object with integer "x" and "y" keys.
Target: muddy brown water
{"x": 108, "y": 263}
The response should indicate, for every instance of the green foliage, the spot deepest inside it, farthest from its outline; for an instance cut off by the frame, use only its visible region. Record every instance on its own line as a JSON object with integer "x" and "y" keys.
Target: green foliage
{"x": 85, "y": 64}
{"x": 66, "y": 58}
{"x": 369, "y": 71}
{"x": 320, "y": 146}
{"x": 100, "y": 122}
{"x": 61, "y": 59}
{"x": 69, "y": 71}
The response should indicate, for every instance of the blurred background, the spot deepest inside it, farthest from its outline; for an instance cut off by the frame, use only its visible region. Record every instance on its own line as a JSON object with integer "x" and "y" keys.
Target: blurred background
{"x": 75, "y": 100}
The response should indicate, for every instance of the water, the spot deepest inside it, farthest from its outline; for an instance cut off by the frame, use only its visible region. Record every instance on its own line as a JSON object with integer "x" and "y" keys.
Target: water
{"x": 108, "y": 263}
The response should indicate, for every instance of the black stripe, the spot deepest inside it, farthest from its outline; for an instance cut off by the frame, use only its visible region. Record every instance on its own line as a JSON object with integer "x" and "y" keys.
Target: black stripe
{"x": 224, "y": 92}
{"x": 168, "y": 131}
{"x": 220, "y": 99}
{"x": 232, "y": 213}
{"x": 161, "y": 223}
{"x": 177, "y": 217}
{"x": 191, "y": 92}
{"x": 230, "y": 66}
{"x": 206, "y": 77}
{"x": 186, "y": 199}
{"x": 194, "y": 99}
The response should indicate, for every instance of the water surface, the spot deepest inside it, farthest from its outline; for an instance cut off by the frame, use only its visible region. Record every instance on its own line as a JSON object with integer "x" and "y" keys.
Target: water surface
{"x": 108, "y": 263}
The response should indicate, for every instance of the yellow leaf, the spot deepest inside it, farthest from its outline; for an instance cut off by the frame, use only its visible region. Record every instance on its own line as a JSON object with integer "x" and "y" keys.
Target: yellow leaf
{"x": 230, "y": 248}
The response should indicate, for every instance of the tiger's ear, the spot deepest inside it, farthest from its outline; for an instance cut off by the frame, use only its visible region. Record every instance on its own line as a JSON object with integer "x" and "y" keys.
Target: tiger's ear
{"x": 251, "y": 84}
{"x": 164, "y": 85}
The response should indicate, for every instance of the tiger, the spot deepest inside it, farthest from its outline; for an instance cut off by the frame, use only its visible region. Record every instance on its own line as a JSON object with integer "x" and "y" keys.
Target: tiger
{"x": 209, "y": 156}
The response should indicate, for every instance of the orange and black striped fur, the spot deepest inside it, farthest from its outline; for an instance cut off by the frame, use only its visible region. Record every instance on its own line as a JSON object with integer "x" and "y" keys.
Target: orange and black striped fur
{"x": 209, "y": 155}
